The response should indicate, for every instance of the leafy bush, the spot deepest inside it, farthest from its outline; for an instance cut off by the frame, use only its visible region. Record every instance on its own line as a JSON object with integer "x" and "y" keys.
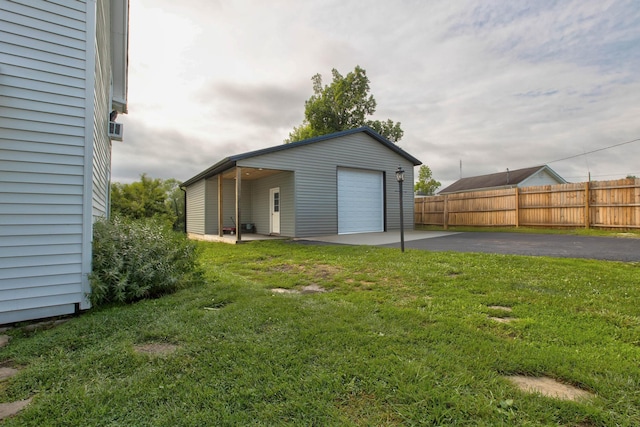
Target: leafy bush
{"x": 136, "y": 259}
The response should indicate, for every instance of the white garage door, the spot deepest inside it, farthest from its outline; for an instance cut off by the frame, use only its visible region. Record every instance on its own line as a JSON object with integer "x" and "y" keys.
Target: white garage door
{"x": 360, "y": 201}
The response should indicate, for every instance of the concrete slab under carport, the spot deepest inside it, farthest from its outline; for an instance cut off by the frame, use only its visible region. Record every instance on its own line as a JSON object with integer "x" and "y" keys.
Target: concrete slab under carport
{"x": 376, "y": 239}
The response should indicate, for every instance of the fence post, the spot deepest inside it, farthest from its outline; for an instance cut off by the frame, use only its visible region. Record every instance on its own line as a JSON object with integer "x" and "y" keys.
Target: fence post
{"x": 517, "y": 195}
{"x": 445, "y": 214}
{"x": 587, "y": 196}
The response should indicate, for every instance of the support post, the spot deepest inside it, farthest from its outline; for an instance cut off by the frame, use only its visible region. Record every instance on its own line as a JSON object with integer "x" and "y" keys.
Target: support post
{"x": 220, "y": 210}
{"x": 587, "y": 208}
{"x": 238, "y": 196}
{"x": 445, "y": 214}
{"x": 517, "y": 195}
{"x": 401, "y": 219}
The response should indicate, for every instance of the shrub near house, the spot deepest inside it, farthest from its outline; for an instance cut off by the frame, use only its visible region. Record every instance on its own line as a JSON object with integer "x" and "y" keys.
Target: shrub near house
{"x": 140, "y": 259}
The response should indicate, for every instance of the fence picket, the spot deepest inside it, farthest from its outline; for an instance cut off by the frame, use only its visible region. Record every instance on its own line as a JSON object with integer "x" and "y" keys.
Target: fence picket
{"x": 604, "y": 204}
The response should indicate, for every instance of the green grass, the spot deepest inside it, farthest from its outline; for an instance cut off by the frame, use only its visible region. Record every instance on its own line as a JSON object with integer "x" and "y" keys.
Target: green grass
{"x": 398, "y": 339}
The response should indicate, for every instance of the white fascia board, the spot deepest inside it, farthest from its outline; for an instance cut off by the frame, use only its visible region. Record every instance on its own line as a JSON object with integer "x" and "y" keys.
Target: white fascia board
{"x": 120, "y": 53}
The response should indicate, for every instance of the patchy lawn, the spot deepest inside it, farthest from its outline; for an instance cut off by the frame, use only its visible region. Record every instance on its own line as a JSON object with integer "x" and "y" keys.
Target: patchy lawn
{"x": 384, "y": 338}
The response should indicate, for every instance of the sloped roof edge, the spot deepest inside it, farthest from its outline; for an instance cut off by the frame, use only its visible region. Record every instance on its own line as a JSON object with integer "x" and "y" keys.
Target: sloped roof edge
{"x": 231, "y": 161}
{"x": 497, "y": 180}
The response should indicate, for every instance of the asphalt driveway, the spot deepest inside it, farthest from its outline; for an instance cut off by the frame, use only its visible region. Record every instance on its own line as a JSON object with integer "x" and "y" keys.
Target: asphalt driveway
{"x": 553, "y": 245}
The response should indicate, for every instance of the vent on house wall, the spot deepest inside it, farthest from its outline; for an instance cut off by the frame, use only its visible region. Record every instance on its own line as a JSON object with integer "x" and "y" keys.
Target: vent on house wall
{"x": 115, "y": 131}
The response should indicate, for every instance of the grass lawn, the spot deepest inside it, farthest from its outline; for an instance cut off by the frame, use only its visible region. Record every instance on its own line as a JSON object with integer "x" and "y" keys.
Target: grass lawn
{"x": 397, "y": 339}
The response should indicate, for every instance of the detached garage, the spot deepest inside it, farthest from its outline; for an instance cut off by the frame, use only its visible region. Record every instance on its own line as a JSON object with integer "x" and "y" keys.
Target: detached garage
{"x": 334, "y": 184}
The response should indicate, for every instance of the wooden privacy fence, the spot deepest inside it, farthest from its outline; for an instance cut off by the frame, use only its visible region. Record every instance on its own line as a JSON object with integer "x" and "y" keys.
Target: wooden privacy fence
{"x": 605, "y": 204}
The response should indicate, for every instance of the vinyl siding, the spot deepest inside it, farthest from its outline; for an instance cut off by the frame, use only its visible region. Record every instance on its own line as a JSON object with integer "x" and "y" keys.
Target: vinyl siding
{"x": 315, "y": 188}
{"x": 261, "y": 210}
{"x": 211, "y": 206}
{"x": 196, "y": 207}
{"x": 47, "y": 85}
{"x": 539, "y": 178}
{"x": 101, "y": 143}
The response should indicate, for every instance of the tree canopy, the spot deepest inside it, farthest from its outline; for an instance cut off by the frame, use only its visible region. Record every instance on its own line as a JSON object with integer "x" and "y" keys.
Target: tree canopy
{"x": 149, "y": 197}
{"x": 344, "y": 104}
{"x": 426, "y": 184}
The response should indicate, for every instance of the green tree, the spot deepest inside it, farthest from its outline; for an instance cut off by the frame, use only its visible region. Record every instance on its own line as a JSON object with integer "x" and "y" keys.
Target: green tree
{"x": 342, "y": 105}
{"x": 175, "y": 202}
{"x": 426, "y": 184}
{"x": 149, "y": 198}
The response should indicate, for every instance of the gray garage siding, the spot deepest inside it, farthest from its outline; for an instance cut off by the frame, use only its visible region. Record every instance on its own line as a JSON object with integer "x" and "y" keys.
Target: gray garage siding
{"x": 211, "y": 206}
{"x": 229, "y": 207}
{"x": 316, "y": 181}
{"x": 196, "y": 207}
{"x": 260, "y": 208}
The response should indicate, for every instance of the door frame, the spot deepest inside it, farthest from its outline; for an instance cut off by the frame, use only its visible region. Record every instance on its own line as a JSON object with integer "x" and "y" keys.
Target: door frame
{"x": 275, "y": 211}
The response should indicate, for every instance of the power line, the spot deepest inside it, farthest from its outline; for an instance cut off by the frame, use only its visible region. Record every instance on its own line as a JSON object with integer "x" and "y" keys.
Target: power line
{"x": 595, "y": 151}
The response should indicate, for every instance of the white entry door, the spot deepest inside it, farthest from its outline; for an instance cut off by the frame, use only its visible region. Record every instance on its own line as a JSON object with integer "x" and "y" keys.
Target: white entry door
{"x": 274, "y": 207}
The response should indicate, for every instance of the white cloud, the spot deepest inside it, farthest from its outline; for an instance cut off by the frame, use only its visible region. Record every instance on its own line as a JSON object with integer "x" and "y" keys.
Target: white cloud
{"x": 495, "y": 84}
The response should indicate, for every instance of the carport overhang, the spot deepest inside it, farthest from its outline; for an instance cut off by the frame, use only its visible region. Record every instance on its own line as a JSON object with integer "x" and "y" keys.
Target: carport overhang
{"x": 229, "y": 169}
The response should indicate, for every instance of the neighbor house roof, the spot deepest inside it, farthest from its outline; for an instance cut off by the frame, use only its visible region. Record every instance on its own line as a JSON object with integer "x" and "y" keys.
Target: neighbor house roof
{"x": 498, "y": 180}
{"x": 230, "y": 162}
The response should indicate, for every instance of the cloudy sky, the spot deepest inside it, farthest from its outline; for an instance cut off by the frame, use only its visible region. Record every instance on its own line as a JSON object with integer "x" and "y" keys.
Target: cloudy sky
{"x": 487, "y": 84}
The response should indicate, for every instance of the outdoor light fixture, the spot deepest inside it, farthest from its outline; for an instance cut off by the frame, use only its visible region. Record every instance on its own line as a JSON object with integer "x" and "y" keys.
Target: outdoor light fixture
{"x": 400, "y": 179}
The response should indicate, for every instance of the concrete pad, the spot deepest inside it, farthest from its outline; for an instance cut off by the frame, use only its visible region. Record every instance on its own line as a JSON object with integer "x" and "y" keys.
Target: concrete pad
{"x": 548, "y": 387}
{"x": 375, "y": 239}
{"x": 10, "y": 409}
{"x": 6, "y": 373}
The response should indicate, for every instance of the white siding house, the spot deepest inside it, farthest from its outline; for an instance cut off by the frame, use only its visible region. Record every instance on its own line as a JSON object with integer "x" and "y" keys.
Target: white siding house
{"x": 63, "y": 70}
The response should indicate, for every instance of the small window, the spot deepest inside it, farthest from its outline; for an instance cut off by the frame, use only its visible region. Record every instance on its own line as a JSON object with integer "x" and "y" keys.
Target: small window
{"x": 276, "y": 202}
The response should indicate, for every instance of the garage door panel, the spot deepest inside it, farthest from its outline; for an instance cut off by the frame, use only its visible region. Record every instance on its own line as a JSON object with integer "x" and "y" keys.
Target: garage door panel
{"x": 360, "y": 201}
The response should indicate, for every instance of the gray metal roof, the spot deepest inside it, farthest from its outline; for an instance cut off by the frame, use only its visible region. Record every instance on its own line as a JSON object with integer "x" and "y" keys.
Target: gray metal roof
{"x": 497, "y": 180}
{"x": 231, "y": 161}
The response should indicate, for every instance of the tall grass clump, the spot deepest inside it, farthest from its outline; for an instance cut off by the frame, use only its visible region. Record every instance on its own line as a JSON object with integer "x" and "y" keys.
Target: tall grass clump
{"x": 137, "y": 259}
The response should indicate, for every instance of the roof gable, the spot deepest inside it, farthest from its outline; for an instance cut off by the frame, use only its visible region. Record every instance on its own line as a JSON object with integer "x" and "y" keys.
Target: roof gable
{"x": 498, "y": 180}
{"x": 231, "y": 161}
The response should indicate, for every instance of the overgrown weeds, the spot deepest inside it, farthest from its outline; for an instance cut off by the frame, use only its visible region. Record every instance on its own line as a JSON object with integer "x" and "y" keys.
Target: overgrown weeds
{"x": 136, "y": 259}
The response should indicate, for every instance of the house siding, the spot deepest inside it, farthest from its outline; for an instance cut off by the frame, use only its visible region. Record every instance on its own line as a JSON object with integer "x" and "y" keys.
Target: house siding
{"x": 102, "y": 102}
{"x": 539, "y": 178}
{"x": 315, "y": 205}
{"x": 52, "y": 113}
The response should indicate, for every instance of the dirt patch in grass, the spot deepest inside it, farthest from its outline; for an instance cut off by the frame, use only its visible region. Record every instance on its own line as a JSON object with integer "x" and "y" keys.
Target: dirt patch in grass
{"x": 9, "y": 409}
{"x": 4, "y": 340}
{"x": 503, "y": 319}
{"x": 319, "y": 271}
{"x": 156, "y": 348}
{"x": 548, "y": 387}
{"x": 500, "y": 307}
{"x": 313, "y": 288}
{"x": 284, "y": 291}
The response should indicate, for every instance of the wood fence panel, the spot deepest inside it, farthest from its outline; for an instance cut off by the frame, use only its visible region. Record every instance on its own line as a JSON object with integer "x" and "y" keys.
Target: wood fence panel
{"x": 429, "y": 210}
{"x": 482, "y": 208}
{"x": 606, "y": 204}
{"x": 615, "y": 204}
